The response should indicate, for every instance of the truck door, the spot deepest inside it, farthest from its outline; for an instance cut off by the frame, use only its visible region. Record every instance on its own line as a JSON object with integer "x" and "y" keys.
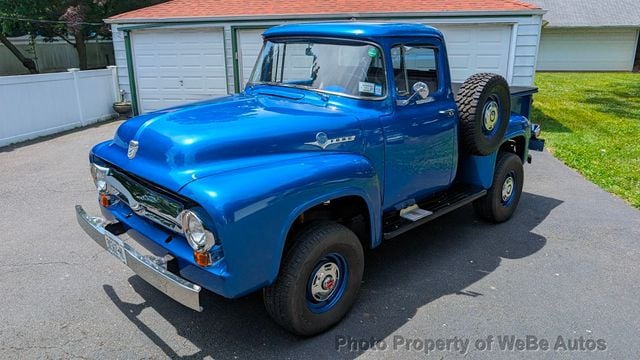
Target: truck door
{"x": 420, "y": 135}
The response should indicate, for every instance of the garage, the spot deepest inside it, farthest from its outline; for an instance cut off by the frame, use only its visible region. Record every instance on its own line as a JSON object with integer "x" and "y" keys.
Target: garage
{"x": 470, "y": 48}
{"x": 587, "y": 49}
{"x": 175, "y": 67}
{"x": 249, "y": 45}
{"x": 589, "y": 35}
{"x": 477, "y": 48}
{"x": 186, "y": 50}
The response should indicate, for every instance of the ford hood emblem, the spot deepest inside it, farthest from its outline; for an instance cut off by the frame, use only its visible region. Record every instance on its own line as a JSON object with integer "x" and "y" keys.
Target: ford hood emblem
{"x": 133, "y": 149}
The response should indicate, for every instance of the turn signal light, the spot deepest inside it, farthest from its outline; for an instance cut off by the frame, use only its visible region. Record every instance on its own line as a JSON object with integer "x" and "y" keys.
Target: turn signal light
{"x": 105, "y": 200}
{"x": 202, "y": 259}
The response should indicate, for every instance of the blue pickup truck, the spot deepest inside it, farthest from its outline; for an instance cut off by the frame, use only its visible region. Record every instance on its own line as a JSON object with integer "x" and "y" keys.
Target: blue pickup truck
{"x": 347, "y": 134}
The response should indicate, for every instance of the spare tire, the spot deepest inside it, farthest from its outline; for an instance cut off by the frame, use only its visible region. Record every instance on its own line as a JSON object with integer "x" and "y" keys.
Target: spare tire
{"x": 484, "y": 105}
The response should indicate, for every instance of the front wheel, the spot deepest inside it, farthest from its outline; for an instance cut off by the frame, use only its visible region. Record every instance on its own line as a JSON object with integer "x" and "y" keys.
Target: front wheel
{"x": 318, "y": 281}
{"x": 504, "y": 194}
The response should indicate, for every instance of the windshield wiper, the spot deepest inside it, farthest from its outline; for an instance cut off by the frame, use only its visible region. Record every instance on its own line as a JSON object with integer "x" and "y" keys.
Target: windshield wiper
{"x": 273, "y": 83}
{"x": 318, "y": 92}
{"x": 269, "y": 83}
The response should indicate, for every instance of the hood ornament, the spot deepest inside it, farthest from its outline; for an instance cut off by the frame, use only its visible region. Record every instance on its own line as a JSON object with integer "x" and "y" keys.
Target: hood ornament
{"x": 133, "y": 149}
{"x": 322, "y": 140}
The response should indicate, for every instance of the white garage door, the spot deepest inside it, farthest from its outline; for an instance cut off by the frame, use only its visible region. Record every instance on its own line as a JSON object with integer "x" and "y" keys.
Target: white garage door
{"x": 471, "y": 49}
{"x": 477, "y": 48}
{"x": 587, "y": 50}
{"x": 174, "y": 67}
{"x": 249, "y": 46}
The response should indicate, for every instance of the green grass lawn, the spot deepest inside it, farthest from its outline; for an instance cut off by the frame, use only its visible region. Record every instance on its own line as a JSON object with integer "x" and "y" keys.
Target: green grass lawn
{"x": 591, "y": 122}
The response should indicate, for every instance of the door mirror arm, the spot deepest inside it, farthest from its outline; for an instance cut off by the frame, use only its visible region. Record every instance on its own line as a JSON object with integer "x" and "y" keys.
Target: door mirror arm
{"x": 420, "y": 89}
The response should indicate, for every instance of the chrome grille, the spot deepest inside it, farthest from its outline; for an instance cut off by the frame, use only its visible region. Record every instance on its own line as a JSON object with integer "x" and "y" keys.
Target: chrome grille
{"x": 144, "y": 201}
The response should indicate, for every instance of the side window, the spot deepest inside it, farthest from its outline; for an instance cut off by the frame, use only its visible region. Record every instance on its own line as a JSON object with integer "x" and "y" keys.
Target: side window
{"x": 412, "y": 64}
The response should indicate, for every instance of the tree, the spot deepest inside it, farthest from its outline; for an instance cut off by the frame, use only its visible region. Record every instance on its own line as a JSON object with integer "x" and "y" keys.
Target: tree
{"x": 27, "y": 62}
{"x": 73, "y": 21}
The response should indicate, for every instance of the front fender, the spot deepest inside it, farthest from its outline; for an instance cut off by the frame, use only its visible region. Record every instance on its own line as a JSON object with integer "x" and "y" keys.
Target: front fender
{"x": 254, "y": 208}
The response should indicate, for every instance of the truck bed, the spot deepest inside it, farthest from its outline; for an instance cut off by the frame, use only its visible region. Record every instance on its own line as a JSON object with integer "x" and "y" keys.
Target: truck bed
{"x": 521, "y": 97}
{"x": 515, "y": 90}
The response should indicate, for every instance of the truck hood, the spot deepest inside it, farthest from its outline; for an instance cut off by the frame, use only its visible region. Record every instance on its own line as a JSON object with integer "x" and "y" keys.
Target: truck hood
{"x": 182, "y": 144}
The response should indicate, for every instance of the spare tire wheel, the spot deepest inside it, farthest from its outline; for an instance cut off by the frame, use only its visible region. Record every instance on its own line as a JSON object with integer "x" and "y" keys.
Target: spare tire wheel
{"x": 484, "y": 105}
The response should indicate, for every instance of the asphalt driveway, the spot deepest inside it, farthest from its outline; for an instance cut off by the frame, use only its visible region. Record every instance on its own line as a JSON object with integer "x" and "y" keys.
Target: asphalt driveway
{"x": 565, "y": 268}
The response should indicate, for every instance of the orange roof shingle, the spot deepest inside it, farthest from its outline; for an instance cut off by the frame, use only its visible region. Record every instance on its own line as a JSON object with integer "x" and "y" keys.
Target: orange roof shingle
{"x": 180, "y": 9}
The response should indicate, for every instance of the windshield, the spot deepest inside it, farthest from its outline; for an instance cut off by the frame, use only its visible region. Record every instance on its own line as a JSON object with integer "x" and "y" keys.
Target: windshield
{"x": 354, "y": 69}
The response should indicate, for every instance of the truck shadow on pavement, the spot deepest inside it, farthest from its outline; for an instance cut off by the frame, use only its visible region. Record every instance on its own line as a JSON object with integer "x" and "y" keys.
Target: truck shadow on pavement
{"x": 441, "y": 258}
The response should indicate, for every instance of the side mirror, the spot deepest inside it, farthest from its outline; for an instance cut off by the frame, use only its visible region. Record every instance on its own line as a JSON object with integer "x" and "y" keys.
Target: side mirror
{"x": 314, "y": 64}
{"x": 308, "y": 51}
{"x": 420, "y": 89}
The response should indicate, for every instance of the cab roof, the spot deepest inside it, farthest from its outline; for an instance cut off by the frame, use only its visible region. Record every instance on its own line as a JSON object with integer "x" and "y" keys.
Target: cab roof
{"x": 353, "y": 30}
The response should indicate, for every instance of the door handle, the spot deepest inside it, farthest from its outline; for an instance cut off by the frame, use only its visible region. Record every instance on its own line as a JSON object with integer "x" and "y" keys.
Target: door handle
{"x": 448, "y": 112}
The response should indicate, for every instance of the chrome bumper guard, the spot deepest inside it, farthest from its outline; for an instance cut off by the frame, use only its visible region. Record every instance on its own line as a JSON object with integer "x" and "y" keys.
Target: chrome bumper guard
{"x": 148, "y": 268}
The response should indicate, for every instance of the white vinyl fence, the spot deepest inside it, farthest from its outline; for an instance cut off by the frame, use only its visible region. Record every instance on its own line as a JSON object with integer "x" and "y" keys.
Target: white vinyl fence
{"x": 44, "y": 104}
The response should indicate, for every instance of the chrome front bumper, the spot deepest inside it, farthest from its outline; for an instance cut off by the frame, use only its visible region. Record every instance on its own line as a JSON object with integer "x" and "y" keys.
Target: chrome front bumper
{"x": 148, "y": 268}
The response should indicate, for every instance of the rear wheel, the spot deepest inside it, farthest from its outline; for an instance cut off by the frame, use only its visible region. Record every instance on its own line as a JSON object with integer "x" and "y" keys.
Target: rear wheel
{"x": 502, "y": 198}
{"x": 318, "y": 281}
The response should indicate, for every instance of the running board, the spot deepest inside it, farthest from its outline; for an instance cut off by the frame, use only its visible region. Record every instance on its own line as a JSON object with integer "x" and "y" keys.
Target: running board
{"x": 436, "y": 206}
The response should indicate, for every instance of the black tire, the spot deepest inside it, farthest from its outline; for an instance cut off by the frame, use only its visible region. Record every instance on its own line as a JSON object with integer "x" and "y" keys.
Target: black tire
{"x": 493, "y": 207}
{"x": 483, "y": 124}
{"x": 289, "y": 301}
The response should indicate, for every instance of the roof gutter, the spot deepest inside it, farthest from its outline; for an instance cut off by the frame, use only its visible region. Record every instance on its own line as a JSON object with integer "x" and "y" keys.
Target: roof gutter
{"x": 591, "y": 26}
{"x": 344, "y": 16}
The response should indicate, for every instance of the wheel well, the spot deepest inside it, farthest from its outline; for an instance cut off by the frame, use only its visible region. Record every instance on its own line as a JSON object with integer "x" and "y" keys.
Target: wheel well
{"x": 350, "y": 211}
{"x": 515, "y": 145}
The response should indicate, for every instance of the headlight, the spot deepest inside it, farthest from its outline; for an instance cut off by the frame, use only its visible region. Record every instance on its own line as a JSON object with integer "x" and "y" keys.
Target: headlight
{"x": 198, "y": 237}
{"x": 99, "y": 175}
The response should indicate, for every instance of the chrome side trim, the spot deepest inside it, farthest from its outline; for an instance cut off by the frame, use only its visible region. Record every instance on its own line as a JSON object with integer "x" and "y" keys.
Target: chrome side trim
{"x": 148, "y": 268}
{"x": 322, "y": 141}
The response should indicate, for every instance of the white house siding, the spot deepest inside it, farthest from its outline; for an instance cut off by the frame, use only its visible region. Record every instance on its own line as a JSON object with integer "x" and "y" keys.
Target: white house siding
{"x": 120, "y": 54}
{"x": 565, "y": 49}
{"x": 53, "y": 56}
{"x": 526, "y": 51}
{"x": 520, "y": 61}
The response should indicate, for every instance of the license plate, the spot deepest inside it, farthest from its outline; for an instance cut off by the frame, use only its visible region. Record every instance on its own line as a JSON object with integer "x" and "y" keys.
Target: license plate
{"x": 116, "y": 249}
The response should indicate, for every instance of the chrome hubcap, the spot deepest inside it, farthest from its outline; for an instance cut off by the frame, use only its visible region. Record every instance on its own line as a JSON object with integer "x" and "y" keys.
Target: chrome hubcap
{"x": 491, "y": 111}
{"x": 507, "y": 188}
{"x": 324, "y": 281}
